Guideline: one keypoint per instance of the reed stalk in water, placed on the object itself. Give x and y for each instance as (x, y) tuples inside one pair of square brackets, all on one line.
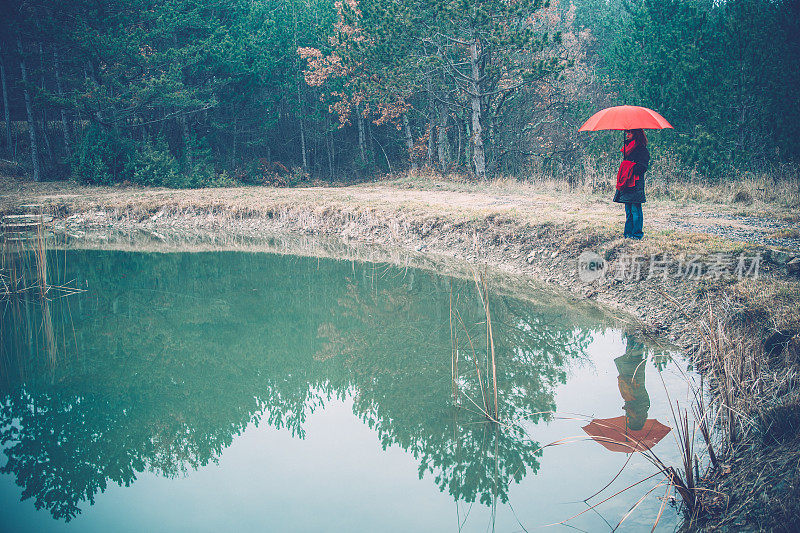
[(24, 247), (489, 397)]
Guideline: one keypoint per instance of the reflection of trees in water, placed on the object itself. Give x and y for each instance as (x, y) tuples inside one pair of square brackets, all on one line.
[(398, 360), (178, 353)]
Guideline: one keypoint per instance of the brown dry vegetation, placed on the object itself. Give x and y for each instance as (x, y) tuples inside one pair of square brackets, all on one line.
[(744, 334)]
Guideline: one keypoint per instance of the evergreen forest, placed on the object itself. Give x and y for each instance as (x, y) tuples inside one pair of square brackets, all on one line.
[(191, 93)]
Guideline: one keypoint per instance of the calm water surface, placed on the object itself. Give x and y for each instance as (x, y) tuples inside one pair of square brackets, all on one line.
[(258, 392)]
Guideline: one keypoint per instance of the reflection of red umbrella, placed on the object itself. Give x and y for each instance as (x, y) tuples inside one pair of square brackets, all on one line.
[(614, 435), (625, 117)]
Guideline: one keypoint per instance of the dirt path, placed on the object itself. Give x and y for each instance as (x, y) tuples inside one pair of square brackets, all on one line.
[(752, 229), (756, 224)]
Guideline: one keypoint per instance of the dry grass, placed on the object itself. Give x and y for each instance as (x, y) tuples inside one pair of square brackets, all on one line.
[(754, 416), (666, 180), (581, 203), (24, 263)]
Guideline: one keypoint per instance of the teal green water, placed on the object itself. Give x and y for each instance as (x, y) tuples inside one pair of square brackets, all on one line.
[(245, 391)]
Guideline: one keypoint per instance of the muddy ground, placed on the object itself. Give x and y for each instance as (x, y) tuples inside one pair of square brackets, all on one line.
[(519, 229)]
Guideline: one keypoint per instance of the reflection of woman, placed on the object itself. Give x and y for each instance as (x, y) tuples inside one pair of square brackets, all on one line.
[(631, 384), (630, 181)]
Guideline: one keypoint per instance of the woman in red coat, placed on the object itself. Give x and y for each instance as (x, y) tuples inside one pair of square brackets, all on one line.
[(630, 181)]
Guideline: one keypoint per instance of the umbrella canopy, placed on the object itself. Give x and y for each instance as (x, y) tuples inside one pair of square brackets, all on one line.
[(625, 117), (614, 434)]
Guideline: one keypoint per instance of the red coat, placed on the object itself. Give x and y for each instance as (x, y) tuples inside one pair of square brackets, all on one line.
[(634, 194), (625, 175)]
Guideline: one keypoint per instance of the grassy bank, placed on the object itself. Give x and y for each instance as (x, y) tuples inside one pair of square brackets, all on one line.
[(743, 332)]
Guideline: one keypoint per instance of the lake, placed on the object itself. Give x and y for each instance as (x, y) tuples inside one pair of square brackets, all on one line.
[(262, 392)]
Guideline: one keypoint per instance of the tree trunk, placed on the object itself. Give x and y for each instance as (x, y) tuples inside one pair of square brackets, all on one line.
[(444, 156), (468, 136), (371, 139), (186, 144), (327, 138), (430, 124), (57, 67), (409, 142), (303, 144), (46, 137), (47, 147), (6, 112), (299, 94), (29, 111), (478, 155), (460, 144), (233, 148), (431, 131), (330, 153), (361, 134)]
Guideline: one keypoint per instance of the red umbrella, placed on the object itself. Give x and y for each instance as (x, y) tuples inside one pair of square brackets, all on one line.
[(614, 434), (625, 117)]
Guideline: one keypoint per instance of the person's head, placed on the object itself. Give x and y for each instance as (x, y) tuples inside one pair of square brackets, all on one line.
[(636, 135)]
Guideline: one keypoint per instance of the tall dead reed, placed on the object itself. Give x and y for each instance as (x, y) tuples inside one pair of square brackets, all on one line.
[(747, 412), (25, 242), (485, 364), (741, 381)]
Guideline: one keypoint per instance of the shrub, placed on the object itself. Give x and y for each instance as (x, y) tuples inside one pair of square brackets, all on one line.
[(223, 179), (99, 157), (266, 172), (703, 150), (154, 165), (200, 175), (198, 169), (742, 196)]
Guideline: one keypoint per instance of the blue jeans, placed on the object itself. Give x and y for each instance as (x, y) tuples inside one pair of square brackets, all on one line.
[(633, 221)]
